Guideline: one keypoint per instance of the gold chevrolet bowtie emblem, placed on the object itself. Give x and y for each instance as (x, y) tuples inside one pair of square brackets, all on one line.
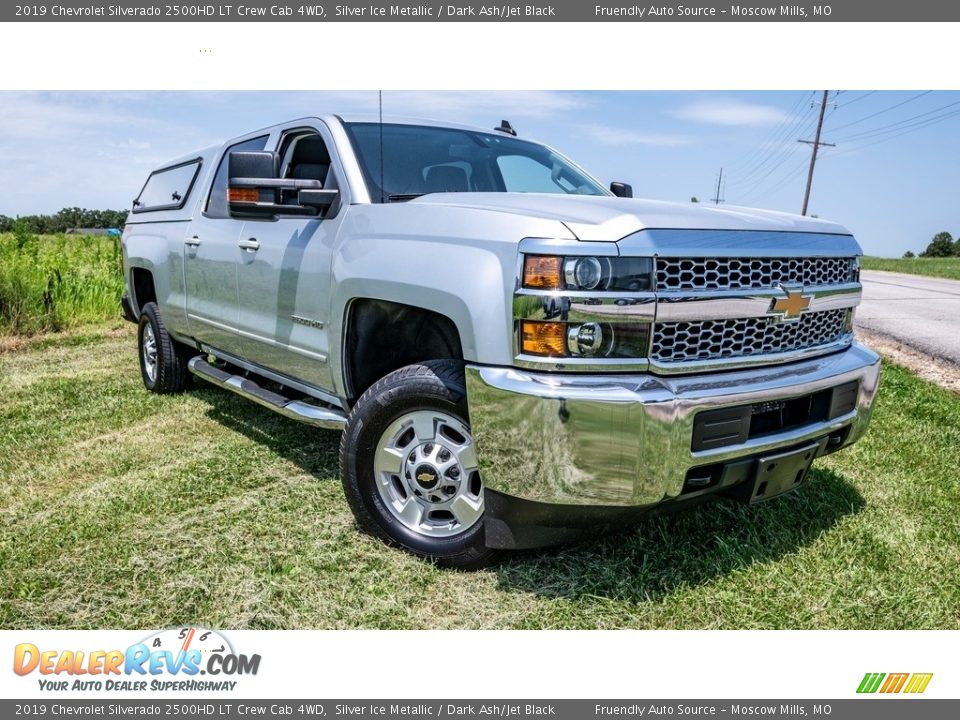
[(425, 477), (791, 306)]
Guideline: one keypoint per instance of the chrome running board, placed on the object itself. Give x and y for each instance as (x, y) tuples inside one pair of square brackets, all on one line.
[(316, 415)]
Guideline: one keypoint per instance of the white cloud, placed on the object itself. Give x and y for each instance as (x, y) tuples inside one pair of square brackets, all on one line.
[(620, 136), (731, 112), (80, 149)]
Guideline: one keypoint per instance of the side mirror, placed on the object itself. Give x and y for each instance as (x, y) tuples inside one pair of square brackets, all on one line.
[(255, 190), (621, 189), (322, 199)]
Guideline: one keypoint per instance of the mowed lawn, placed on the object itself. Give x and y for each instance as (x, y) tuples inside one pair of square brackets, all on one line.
[(124, 509), (933, 267)]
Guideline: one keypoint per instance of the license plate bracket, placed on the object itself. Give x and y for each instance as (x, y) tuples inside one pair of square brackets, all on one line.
[(781, 472)]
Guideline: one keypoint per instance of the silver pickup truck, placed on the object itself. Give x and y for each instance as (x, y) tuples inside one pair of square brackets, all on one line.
[(514, 353)]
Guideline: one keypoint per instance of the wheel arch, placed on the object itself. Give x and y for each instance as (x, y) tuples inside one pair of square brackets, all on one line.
[(143, 288), (380, 336)]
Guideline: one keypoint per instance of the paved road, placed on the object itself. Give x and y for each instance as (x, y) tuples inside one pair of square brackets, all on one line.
[(921, 312)]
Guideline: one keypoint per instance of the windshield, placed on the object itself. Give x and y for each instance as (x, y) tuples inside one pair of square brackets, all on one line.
[(418, 160)]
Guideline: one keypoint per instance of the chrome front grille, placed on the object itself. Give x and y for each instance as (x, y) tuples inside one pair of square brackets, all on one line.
[(751, 273), (721, 339)]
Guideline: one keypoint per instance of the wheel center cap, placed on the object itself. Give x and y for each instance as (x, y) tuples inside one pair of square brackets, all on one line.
[(426, 476)]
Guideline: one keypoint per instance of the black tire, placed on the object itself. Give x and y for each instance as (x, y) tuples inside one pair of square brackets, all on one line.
[(171, 375), (433, 385)]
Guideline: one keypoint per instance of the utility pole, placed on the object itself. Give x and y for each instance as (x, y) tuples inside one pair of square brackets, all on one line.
[(717, 199), (816, 146)]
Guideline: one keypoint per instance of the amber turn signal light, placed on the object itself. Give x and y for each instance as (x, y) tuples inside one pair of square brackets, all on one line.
[(542, 272), (243, 195), (543, 338)]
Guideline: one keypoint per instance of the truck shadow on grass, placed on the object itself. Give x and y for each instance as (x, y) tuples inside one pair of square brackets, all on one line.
[(314, 450), (642, 562), (659, 555)]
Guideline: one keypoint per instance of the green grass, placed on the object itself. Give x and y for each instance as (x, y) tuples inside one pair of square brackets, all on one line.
[(934, 267), (54, 282), (119, 508)]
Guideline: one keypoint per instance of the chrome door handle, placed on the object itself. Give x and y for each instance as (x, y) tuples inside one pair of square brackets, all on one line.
[(192, 242), (251, 244)]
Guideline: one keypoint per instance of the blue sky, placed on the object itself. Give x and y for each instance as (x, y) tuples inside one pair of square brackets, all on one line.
[(892, 179)]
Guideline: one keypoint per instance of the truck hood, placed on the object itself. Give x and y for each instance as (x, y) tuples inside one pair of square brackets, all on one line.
[(609, 219)]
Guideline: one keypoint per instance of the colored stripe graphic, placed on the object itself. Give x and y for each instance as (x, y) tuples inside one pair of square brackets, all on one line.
[(918, 682), (870, 683), (894, 683)]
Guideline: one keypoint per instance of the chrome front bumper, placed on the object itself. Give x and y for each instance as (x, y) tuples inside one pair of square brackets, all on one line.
[(625, 440)]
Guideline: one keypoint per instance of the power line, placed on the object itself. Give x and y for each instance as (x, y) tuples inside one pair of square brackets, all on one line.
[(904, 131), (787, 153), (885, 110), (771, 148), (777, 157), (899, 124), (789, 117), (792, 174), (848, 103)]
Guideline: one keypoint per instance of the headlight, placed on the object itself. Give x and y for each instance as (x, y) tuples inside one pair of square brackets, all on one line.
[(582, 273), (552, 272), (585, 310)]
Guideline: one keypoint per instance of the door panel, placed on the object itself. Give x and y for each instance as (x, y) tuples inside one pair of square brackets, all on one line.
[(283, 283), (210, 255)]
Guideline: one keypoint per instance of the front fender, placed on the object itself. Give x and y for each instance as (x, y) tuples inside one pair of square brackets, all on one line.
[(469, 285)]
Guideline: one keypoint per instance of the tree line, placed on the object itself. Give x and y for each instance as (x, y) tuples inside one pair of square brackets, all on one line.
[(64, 220), (943, 245)]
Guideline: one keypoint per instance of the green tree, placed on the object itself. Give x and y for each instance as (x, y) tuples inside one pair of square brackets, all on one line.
[(694, 199), (65, 219), (909, 254), (942, 245)]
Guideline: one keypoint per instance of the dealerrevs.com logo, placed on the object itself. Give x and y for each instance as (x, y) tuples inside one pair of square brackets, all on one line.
[(179, 659)]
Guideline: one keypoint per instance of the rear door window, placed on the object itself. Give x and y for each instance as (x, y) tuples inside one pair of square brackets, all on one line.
[(167, 189)]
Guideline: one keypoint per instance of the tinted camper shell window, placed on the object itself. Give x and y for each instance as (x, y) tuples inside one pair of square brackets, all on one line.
[(168, 188)]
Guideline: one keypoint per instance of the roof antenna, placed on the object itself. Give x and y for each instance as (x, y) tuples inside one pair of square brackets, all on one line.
[(380, 98), (506, 127)]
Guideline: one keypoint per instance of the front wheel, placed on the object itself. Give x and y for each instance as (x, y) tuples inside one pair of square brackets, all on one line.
[(409, 466)]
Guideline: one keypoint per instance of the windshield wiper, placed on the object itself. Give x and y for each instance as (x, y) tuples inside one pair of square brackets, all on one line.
[(403, 197)]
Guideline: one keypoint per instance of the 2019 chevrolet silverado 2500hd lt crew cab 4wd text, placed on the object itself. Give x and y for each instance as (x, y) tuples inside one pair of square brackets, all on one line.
[(513, 352)]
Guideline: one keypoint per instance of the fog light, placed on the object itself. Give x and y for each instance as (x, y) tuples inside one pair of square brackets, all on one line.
[(584, 339)]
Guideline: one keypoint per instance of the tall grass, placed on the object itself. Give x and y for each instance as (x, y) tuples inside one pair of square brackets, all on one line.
[(52, 282), (934, 267)]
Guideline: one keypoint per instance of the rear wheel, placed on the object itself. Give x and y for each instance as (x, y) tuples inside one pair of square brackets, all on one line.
[(409, 466), (163, 361)]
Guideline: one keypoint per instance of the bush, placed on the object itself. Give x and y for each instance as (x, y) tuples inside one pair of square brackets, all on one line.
[(908, 254), (49, 283)]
